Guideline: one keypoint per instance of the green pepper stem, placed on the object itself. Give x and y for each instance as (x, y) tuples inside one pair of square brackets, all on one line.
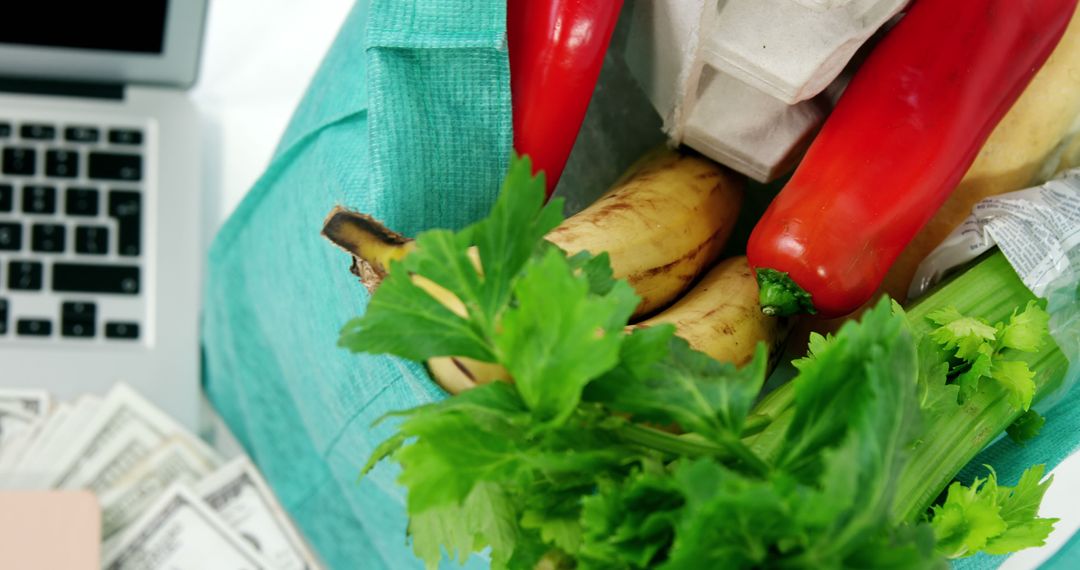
[(780, 296)]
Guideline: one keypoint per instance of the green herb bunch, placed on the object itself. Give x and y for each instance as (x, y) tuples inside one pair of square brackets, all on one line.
[(576, 464)]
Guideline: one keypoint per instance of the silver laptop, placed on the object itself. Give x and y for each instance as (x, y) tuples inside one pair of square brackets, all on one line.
[(99, 198)]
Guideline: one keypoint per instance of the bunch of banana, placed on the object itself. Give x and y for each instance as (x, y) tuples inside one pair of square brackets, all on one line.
[(661, 224)]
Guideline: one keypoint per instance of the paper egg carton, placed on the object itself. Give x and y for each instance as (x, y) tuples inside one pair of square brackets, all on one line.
[(748, 82)]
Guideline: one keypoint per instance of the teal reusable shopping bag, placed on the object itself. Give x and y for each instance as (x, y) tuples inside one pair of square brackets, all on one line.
[(408, 119)]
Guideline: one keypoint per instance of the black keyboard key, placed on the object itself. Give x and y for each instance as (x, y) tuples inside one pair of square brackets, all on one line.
[(5, 130), (62, 163), (81, 202), (38, 131), (3, 316), (78, 319), (86, 278), (19, 161), (34, 327), (92, 240), (126, 207), (114, 166), (125, 136), (24, 275), (39, 199), (10, 236), (128, 331), (47, 238), (6, 197), (82, 134)]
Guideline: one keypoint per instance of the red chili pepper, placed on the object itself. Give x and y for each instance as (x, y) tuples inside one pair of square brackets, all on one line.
[(556, 50), (898, 142)]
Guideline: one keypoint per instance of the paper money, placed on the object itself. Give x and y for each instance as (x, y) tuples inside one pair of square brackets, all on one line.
[(114, 460), (180, 532), (122, 413), (13, 420), (35, 402), (175, 461), (12, 453), (36, 466), (238, 493), (144, 467)]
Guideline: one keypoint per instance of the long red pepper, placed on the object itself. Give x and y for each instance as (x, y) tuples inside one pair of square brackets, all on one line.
[(556, 50), (899, 140)]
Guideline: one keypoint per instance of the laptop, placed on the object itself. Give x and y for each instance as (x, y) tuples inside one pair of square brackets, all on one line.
[(100, 183)]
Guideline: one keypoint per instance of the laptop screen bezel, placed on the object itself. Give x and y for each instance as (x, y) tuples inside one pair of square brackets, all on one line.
[(177, 65)]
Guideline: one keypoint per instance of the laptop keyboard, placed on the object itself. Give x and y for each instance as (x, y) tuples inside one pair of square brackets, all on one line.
[(71, 231)]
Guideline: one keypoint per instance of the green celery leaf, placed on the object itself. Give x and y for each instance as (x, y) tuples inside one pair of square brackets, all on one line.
[(1026, 331), (1018, 537), (990, 518), (398, 310), (487, 517), (473, 437), (558, 336), (512, 232), (641, 350), (562, 532), (1026, 427), (937, 397), (731, 521), (1018, 381), (817, 344), (690, 389), (532, 553), (734, 521), (907, 547), (869, 368), (980, 367), (630, 523), (505, 241), (967, 519), (966, 335), (385, 449), (860, 475), (980, 352), (1020, 510), (596, 268)]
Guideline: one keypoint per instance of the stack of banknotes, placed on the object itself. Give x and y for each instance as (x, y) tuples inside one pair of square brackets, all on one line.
[(168, 500)]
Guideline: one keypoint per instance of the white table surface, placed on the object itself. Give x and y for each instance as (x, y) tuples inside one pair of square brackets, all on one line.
[(257, 61)]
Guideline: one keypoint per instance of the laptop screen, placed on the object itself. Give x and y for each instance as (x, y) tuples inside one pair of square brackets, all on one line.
[(135, 27)]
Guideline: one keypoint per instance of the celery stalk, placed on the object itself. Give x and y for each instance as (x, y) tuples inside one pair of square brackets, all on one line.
[(990, 290)]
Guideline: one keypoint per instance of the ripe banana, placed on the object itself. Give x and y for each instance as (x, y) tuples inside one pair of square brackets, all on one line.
[(664, 221), (721, 316), (661, 226)]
